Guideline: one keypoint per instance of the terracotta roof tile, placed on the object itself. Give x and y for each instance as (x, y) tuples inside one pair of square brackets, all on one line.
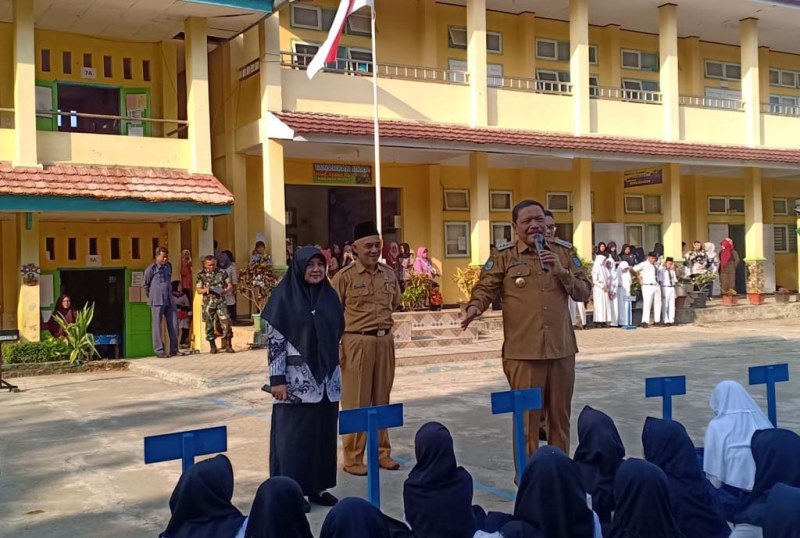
[(112, 183), (316, 123)]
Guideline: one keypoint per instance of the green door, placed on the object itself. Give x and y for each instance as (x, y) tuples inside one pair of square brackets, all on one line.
[(46, 103), (135, 103), (138, 338), (50, 306)]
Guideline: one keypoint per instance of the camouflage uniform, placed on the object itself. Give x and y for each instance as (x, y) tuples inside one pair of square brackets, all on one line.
[(214, 305)]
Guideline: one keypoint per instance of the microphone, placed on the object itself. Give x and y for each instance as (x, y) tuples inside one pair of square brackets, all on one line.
[(538, 241)]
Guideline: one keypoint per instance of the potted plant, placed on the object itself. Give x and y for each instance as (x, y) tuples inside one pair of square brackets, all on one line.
[(782, 295), (701, 281), (79, 341), (682, 289), (466, 279), (416, 293), (755, 282), (256, 282), (730, 297)]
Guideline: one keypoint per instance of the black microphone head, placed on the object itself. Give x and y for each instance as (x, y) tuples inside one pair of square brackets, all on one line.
[(538, 240)]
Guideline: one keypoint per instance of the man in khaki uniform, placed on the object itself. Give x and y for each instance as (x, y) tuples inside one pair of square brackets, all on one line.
[(539, 343), (369, 292)]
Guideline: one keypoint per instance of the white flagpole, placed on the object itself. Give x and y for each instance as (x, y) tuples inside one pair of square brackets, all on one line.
[(377, 143)]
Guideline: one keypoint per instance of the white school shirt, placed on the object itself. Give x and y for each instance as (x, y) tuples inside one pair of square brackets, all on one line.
[(668, 277), (648, 271)]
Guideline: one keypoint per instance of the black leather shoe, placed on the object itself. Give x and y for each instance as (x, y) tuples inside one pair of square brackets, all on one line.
[(323, 499)]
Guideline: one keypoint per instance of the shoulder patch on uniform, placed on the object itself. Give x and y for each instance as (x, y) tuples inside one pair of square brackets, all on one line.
[(488, 265), (505, 246), (561, 242), (576, 261)]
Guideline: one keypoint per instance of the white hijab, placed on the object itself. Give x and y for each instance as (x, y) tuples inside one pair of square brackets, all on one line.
[(599, 270), (728, 458), (624, 275)]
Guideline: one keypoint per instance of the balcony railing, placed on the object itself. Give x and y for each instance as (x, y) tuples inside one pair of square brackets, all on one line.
[(531, 85), (354, 67), (110, 124), (701, 101), (780, 110), (621, 94)]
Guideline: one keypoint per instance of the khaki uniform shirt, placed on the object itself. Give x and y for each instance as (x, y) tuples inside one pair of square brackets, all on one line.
[(536, 321), (368, 298)]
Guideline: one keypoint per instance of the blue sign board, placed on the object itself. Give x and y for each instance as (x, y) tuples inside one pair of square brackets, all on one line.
[(518, 402), (769, 375), (666, 388), (185, 446)]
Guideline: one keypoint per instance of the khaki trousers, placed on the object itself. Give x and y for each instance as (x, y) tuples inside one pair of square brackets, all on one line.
[(367, 378), (556, 378)]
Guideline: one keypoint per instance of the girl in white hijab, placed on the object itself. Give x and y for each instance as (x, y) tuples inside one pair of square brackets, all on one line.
[(623, 289), (600, 298), (727, 457), (613, 284)]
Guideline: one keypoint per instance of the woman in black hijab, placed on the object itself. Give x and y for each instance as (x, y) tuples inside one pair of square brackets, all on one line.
[(354, 518), (437, 495), (599, 454), (306, 322), (201, 503), (694, 502), (612, 251), (552, 498), (783, 516), (628, 255), (643, 508), (278, 510)]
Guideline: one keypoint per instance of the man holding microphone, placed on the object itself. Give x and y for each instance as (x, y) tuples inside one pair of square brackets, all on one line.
[(536, 278)]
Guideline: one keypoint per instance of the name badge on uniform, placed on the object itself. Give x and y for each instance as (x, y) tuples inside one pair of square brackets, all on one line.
[(576, 261), (488, 265), (519, 282), (360, 285), (514, 263)]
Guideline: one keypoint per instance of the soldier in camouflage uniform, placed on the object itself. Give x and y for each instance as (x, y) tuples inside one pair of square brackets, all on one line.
[(212, 283)]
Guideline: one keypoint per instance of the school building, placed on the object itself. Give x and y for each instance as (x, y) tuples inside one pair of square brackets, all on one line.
[(633, 120), (105, 152)]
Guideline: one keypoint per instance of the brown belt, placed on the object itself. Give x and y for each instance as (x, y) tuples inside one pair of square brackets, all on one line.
[(376, 332)]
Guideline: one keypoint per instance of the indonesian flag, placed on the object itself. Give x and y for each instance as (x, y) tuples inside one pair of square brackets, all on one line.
[(327, 52)]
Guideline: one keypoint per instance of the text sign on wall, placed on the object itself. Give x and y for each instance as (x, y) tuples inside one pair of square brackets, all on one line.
[(645, 176), (88, 72), (342, 174)]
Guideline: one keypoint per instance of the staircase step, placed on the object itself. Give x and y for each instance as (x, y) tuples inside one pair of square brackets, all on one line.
[(453, 332), (436, 341)]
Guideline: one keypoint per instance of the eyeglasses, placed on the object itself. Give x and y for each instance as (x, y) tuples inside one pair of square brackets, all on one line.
[(551, 227)]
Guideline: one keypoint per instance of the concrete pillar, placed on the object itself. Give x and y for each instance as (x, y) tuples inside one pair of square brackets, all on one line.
[(481, 235), (10, 273), (436, 222), (429, 50), (753, 214), (579, 65), (24, 60), (202, 246), (28, 305), (174, 246), (169, 91), (610, 68), (476, 63), (668, 79), (582, 206), (751, 94), (274, 201), (673, 230), (526, 26), (269, 44), (197, 103)]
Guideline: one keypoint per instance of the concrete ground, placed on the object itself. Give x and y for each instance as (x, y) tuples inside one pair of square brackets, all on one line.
[(71, 450)]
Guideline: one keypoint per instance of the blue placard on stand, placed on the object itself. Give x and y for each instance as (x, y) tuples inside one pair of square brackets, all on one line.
[(630, 300), (518, 402), (666, 388), (370, 420), (185, 446), (769, 375)]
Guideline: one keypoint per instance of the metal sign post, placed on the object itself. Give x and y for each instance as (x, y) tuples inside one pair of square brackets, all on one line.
[(370, 420), (518, 402), (5, 337), (185, 446), (665, 387), (629, 301), (769, 375)]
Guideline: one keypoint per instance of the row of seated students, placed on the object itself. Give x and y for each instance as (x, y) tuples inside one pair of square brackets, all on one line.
[(744, 483)]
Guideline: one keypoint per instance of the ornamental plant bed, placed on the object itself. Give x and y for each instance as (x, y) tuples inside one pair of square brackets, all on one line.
[(61, 367), (730, 298), (756, 298)]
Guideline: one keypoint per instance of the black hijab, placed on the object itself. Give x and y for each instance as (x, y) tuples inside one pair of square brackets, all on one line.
[(643, 509), (777, 456), (599, 454), (201, 503), (278, 510), (520, 529), (611, 250), (783, 516), (309, 317), (437, 495), (552, 498), (354, 518), (639, 255), (694, 503)]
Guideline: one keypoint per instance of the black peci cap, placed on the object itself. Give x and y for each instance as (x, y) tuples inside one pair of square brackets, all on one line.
[(365, 229)]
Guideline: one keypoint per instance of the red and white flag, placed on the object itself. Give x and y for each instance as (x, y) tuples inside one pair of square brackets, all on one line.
[(328, 51)]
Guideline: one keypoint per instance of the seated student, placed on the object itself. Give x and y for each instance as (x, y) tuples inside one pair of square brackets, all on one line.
[(201, 503), (727, 458), (777, 456), (353, 517), (692, 497), (437, 495), (278, 510), (599, 454), (783, 516), (643, 508)]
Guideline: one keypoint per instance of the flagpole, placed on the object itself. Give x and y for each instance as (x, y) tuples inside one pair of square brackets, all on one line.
[(377, 143)]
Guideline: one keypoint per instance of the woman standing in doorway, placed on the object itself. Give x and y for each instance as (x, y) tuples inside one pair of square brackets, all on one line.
[(306, 322), (65, 311), (423, 264), (405, 263), (728, 262), (228, 264)]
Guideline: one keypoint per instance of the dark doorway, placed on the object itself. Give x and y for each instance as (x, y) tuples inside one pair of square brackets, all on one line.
[(104, 288), (88, 100), (737, 233), (347, 206)]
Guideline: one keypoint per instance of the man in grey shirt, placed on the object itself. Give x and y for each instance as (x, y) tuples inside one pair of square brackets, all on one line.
[(158, 287)]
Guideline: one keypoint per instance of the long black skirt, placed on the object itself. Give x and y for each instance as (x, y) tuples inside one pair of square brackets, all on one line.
[(302, 444)]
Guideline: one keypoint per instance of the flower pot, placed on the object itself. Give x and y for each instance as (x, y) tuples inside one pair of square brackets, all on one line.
[(781, 297), (680, 302), (259, 324), (730, 300), (699, 299), (755, 298)]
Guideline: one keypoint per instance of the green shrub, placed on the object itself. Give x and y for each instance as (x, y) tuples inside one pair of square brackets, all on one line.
[(31, 352)]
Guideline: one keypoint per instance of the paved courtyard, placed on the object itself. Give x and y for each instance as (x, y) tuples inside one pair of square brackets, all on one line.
[(71, 445)]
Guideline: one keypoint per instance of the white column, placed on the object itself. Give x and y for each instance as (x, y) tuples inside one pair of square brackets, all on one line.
[(480, 238), (24, 84), (579, 65), (476, 63), (751, 94), (668, 52), (197, 102)]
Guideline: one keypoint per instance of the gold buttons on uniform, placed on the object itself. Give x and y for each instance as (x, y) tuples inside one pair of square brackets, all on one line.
[(519, 282)]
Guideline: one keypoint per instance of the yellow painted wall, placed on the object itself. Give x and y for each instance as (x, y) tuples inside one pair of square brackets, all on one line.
[(55, 147), (7, 144), (724, 53), (785, 263), (704, 125), (621, 118), (641, 42), (218, 93), (6, 69), (512, 109)]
